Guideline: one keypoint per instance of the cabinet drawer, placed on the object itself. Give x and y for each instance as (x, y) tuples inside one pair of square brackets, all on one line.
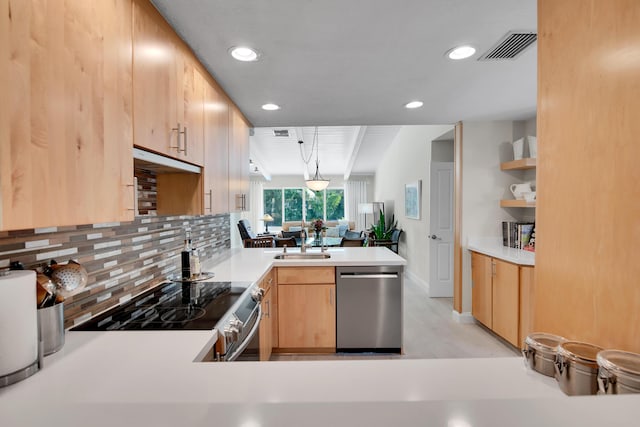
[(268, 280), (306, 275)]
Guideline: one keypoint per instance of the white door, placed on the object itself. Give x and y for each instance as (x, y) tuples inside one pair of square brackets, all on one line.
[(441, 230)]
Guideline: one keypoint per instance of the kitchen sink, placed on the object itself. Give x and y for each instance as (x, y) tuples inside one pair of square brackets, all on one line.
[(303, 256)]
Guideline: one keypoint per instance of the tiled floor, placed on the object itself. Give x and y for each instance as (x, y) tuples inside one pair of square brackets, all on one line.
[(430, 333)]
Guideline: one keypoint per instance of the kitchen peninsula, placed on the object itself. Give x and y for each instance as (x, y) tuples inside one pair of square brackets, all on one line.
[(151, 378)]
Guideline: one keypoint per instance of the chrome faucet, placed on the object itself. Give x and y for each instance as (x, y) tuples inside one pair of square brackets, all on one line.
[(303, 241)]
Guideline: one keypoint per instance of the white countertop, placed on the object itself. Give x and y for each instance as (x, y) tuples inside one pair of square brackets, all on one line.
[(149, 378), (494, 247)]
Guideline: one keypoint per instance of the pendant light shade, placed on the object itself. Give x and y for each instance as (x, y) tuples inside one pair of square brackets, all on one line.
[(317, 183)]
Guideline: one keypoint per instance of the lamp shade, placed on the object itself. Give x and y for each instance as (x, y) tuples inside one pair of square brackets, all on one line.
[(266, 218), (365, 208), (317, 184)]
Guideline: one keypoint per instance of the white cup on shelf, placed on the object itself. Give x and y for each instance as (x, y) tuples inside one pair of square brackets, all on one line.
[(529, 196)]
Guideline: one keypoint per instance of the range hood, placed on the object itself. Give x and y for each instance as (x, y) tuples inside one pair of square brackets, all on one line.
[(161, 164)]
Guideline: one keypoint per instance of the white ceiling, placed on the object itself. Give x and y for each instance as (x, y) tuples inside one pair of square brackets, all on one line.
[(343, 63)]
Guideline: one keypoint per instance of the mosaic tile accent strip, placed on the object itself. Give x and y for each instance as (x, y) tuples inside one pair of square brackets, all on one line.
[(122, 259)]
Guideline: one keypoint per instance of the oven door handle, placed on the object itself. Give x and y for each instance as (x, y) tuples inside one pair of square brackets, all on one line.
[(248, 338)]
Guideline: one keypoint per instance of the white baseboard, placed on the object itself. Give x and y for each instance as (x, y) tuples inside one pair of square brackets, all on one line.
[(465, 317), (411, 276)]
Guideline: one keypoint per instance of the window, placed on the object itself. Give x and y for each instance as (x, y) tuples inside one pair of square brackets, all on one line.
[(273, 206), (314, 204), (289, 204), (334, 205), (293, 204)]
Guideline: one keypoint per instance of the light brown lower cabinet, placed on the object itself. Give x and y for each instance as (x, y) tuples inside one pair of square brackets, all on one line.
[(268, 321), (501, 295), (266, 326), (306, 309)]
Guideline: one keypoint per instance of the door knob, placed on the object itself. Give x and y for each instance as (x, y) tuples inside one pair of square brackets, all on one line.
[(434, 237)]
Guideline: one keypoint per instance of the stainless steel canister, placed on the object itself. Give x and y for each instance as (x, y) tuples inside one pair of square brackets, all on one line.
[(619, 372), (51, 324), (540, 352), (576, 368)]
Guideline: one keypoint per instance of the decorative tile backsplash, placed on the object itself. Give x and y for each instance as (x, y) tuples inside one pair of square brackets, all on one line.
[(122, 259)]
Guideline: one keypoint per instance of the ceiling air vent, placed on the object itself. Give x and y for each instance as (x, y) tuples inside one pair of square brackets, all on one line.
[(281, 132), (510, 46)]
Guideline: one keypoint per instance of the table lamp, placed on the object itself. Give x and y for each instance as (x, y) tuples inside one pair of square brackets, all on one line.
[(267, 219)]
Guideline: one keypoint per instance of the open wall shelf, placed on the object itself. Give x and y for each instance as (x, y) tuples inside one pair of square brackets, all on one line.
[(528, 163), (513, 203)]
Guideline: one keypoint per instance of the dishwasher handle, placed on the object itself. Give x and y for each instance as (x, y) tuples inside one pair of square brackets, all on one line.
[(368, 275)]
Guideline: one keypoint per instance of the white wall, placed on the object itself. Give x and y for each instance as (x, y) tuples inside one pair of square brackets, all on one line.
[(407, 160), (485, 145)]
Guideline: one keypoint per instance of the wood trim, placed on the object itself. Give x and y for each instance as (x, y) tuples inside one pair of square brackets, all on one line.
[(457, 220)]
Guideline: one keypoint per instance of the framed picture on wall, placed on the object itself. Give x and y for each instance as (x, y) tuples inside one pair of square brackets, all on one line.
[(412, 199)]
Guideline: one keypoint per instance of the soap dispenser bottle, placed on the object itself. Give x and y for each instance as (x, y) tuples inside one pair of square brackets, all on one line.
[(185, 255)]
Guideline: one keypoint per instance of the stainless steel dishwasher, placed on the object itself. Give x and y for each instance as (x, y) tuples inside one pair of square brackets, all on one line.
[(369, 309)]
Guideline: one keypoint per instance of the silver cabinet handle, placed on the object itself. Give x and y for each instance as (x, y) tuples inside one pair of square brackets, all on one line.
[(184, 134), (185, 140), (369, 276)]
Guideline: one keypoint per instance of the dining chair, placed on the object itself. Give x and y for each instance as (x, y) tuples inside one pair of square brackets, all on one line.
[(259, 242)]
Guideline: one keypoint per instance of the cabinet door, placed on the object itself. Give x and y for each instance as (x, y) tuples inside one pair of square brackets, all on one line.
[(238, 162), (192, 115), (216, 151), (306, 316), (506, 300), (481, 276), (156, 89), (65, 122), (266, 327), (526, 299)]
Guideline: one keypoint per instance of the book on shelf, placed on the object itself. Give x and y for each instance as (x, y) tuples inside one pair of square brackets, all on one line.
[(519, 235)]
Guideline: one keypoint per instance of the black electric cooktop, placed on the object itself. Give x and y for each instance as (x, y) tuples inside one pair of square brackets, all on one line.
[(190, 306)]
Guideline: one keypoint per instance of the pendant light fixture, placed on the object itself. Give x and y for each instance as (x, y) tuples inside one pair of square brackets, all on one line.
[(317, 183)]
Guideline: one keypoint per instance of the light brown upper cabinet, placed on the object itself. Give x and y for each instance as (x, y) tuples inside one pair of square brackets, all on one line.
[(66, 119), (216, 150), (238, 161), (168, 90)]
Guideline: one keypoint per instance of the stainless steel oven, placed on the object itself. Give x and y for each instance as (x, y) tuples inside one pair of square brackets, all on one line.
[(239, 330)]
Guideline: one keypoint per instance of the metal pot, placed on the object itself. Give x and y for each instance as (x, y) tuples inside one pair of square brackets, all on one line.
[(576, 368), (540, 352), (619, 372)]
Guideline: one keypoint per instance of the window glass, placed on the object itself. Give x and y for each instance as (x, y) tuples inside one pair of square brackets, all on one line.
[(273, 205), (314, 201), (335, 204), (293, 204)]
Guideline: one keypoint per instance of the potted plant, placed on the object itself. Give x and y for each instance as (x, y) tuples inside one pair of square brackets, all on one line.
[(382, 230)]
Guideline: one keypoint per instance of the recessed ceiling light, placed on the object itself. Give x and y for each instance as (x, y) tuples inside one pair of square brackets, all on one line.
[(243, 53), (414, 104), (270, 107), (461, 52)]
